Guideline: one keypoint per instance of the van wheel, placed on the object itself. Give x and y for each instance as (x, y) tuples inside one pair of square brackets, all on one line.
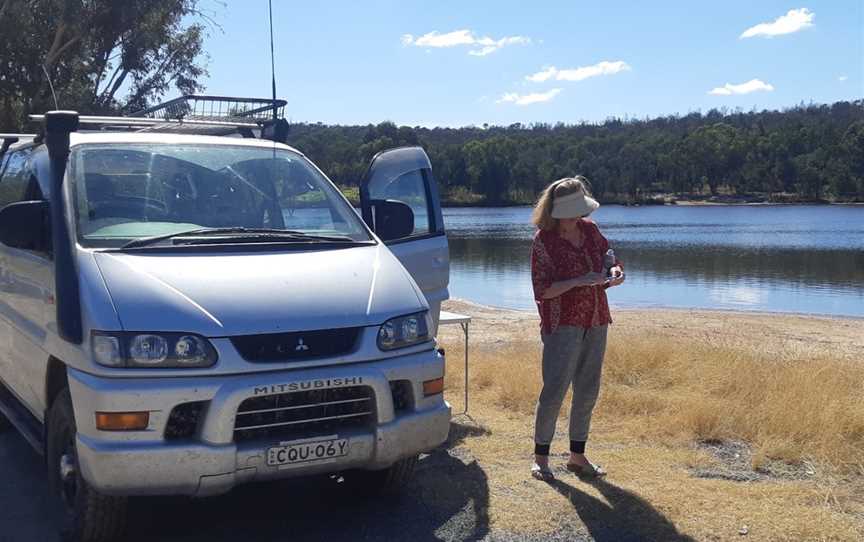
[(87, 515), (393, 479)]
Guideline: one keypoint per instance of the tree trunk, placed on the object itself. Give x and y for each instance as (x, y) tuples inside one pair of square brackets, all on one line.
[(58, 46)]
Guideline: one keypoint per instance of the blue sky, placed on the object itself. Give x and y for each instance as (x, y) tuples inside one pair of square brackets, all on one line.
[(456, 63)]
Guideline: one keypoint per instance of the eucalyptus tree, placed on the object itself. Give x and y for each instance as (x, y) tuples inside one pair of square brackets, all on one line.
[(103, 56)]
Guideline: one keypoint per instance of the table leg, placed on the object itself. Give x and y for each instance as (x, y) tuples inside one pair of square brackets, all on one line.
[(465, 332)]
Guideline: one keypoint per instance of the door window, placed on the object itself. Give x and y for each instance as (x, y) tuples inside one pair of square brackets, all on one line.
[(410, 189), (16, 177)]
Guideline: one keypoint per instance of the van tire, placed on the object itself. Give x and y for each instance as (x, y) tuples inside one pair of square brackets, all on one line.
[(393, 479), (88, 516)]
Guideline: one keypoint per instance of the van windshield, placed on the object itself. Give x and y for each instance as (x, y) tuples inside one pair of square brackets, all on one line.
[(125, 192)]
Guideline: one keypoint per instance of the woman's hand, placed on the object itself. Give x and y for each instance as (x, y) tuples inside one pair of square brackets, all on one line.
[(592, 279), (562, 286), (616, 276)]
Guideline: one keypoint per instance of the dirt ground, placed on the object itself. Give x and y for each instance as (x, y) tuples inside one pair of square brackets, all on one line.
[(656, 489)]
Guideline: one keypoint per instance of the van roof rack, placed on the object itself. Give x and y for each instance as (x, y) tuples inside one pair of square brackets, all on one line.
[(199, 114)]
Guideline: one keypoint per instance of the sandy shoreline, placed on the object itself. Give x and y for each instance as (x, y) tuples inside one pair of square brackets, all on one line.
[(777, 332)]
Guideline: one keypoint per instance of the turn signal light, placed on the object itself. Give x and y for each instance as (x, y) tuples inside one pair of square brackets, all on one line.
[(122, 421), (433, 387)]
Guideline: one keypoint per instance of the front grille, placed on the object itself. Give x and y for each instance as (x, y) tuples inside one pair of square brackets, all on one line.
[(296, 346), (305, 413)]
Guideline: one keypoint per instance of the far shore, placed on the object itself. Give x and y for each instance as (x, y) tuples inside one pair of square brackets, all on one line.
[(660, 203), (477, 200)]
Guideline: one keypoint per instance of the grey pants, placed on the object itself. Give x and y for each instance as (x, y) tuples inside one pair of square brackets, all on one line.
[(571, 355)]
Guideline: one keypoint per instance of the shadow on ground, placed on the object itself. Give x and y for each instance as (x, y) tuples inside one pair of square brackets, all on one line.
[(625, 517), (447, 500), (26, 510)]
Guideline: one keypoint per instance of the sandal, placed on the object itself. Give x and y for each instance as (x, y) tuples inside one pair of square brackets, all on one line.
[(543, 474), (586, 471)]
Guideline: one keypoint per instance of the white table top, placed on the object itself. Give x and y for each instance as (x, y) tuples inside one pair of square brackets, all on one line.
[(453, 318)]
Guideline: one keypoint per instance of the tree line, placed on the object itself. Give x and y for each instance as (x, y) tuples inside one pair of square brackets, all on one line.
[(804, 153)]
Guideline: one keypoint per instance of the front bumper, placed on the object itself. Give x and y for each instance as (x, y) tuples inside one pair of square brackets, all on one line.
[(145, 463)]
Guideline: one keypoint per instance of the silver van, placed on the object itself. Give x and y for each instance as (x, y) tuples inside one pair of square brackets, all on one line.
[(183, 313)]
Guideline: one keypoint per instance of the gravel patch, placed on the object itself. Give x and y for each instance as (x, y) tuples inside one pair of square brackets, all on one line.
[(448, 500), (735, 463)]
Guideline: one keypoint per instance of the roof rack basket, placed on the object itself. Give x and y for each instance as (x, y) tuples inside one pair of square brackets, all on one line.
[(218, 108), (202, 115)]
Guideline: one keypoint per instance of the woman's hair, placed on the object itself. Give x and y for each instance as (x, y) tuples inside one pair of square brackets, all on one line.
[(542, 215)]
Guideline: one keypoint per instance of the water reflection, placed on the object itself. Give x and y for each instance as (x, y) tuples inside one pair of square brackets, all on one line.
[(798, 259)]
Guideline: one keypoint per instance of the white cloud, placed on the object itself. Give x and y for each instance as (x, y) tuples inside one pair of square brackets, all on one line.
[(793, 21), (482, 46), (528, 99), (753, 85), (843, 78), (578, 74), (544, 75)]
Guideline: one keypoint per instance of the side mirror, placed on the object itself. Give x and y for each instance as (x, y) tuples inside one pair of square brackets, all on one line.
[(393, 219), (26, 225)]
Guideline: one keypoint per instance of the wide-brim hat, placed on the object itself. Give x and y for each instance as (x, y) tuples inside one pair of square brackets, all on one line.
[(574, 205)]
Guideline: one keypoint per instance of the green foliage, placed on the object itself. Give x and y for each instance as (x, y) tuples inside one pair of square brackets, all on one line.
[(95, 52), (804, 153)]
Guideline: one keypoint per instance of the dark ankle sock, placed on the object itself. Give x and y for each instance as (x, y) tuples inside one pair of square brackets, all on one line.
[(577, 446), (541, 449)]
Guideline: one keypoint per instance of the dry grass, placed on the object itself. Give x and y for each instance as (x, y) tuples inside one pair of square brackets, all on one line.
[(798, 410), (788, 408)]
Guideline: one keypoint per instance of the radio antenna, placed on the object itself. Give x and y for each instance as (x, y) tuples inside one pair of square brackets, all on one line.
[(272, 60), (51, 86)]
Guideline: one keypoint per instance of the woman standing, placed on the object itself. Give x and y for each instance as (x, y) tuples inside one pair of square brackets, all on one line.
[(570, 279)]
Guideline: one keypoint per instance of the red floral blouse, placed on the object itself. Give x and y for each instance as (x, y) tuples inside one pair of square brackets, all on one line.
[(553, 258)]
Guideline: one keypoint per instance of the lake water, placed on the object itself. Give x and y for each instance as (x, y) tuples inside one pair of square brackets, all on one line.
[(807, 258)]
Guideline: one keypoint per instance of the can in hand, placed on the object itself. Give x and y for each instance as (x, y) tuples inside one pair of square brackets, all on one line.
[(609, 261)]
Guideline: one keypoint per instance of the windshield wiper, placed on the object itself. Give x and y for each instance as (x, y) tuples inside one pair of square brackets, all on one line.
[(245, 234), (268, 237)]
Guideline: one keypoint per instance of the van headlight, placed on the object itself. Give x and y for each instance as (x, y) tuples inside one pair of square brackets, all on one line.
[(404, 331), (123, 349)]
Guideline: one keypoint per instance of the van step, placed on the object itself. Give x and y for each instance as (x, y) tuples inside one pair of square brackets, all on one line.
[(22, 419)]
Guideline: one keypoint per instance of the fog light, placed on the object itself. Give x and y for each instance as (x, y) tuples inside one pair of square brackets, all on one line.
[(433, 387), (122, 421)]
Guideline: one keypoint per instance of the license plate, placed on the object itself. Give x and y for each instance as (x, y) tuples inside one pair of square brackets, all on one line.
[(306, 451)]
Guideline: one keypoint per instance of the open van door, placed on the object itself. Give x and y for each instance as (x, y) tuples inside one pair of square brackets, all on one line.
[(400, 202)]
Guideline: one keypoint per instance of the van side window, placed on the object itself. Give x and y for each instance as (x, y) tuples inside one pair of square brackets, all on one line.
[(16, 178), (409, 188), (4, 159)]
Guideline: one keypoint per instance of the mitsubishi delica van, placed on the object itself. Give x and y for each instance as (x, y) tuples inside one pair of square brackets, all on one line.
[(183, 313)]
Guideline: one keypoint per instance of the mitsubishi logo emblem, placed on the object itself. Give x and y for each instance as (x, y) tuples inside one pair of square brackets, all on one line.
[(300, 346)]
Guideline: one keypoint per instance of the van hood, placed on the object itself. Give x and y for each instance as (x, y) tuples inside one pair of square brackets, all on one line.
[(225, 294)]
